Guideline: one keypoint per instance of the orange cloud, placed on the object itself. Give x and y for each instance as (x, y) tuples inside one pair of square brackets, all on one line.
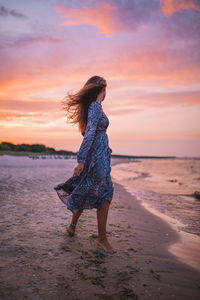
[(154, 67), (145, 69), (30, 117), (171, 6), (100, 16)]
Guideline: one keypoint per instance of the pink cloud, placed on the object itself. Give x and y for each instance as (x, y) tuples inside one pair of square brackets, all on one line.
[(171, 6), (102, 16)]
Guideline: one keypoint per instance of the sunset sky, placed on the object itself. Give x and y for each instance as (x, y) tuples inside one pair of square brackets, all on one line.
[(147, 50)]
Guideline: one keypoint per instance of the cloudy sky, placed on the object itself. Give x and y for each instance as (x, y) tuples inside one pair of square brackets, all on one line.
[(147, 50)]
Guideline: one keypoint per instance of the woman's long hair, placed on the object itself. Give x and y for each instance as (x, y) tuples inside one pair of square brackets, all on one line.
[(76, 105)]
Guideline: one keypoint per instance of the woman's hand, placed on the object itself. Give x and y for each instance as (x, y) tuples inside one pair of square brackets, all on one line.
[(110, 150), (79, 168)]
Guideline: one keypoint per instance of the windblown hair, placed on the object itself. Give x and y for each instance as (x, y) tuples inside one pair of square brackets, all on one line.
[(76, 105)]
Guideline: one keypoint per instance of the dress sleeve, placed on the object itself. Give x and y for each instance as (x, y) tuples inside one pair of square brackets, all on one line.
[(94, 113)]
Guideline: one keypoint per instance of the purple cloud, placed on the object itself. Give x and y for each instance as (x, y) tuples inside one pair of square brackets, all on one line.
[(4, 12), (26, 40)]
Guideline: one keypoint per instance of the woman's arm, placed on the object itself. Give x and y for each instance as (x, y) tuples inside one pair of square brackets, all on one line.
[(94, 113)]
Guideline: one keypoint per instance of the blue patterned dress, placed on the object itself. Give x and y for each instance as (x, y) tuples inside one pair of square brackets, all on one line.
[(94, 184)]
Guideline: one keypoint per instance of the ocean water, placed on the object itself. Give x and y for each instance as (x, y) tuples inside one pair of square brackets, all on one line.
[(32, 179), (166, 185)]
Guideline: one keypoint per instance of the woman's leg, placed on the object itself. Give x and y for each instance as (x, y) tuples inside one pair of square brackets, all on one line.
[(75, 217), (102, 214)]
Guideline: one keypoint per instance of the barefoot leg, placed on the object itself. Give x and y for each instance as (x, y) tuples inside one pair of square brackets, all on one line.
[(102, 214), (75, 217)]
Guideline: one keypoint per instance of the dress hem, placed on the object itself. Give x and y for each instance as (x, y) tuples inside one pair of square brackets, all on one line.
[(64, 197)]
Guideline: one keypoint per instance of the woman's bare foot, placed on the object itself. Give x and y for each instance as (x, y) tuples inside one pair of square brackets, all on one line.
[(103, 243), (71, 229)]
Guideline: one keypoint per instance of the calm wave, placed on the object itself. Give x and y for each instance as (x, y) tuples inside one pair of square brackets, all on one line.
[(167, 185)]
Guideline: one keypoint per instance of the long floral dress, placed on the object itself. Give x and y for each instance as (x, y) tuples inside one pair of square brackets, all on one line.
[(94, 184)]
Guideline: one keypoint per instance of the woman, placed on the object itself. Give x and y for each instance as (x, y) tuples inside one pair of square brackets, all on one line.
[(91, 185)]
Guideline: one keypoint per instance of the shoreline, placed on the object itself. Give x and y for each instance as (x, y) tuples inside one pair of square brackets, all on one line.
[(186, 249), (150, 240)]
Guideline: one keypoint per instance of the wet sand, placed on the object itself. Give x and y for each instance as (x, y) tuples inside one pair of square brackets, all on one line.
[(40, 261)]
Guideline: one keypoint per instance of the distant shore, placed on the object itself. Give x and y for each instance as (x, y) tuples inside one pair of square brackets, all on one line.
[(39, 154)]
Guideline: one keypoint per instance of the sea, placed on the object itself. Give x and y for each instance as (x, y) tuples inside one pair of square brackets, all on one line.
[(170, 186)]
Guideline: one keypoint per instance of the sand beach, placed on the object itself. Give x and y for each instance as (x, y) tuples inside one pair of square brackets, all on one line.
[(40, 261)]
